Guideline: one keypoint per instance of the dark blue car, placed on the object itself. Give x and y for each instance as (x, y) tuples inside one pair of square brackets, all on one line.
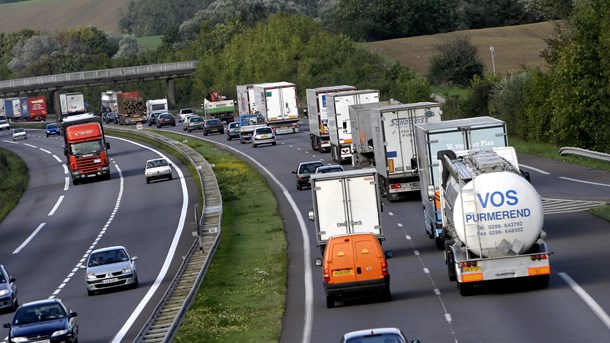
[(52, 129), (43, 321)]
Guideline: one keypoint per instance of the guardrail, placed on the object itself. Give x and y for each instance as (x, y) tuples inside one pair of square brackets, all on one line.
[(169, 313), (584, 153)]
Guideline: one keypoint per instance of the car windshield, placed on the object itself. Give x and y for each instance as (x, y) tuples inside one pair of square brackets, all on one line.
[(156, 163), (107, 257), (309, 168), (234, 125), (196, 120), (329, 169), (264, 131), (385, 338), (165, 116), (34, 314), (85, 148), (52, 126), (18, 130), (213, 122)]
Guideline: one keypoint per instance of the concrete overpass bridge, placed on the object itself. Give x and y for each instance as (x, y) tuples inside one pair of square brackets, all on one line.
[(55, 83)]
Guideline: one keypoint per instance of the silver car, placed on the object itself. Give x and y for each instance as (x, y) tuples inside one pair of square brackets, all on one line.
[(8, 291), (109, 268)]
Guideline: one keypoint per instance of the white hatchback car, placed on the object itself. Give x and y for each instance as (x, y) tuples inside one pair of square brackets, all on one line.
[(4, 125), (19, 133), (158, 168), (263, 135)]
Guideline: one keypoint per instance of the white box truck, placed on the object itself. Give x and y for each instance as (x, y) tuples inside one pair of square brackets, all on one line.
[(317, 115), (391, 138), (72, 104), (277, 102), (345, 202), (339, 124), (492, 220), (245, 99), (458, 134)]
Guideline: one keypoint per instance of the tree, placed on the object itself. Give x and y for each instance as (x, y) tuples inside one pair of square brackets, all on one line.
[(457, 62), (506, 100), (129, 46)]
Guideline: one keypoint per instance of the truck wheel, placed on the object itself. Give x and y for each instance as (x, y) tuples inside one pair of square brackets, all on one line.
[(392, 197), (440, 243), (312, 140), (450, 262), (330, 301), (540, 282), (466, 289)]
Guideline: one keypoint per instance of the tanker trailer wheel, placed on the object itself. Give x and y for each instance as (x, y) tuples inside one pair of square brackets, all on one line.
[(450, 261), (466, 289), (540, 281)]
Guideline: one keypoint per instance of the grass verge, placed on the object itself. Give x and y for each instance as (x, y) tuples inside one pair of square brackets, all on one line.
[(14, 181)]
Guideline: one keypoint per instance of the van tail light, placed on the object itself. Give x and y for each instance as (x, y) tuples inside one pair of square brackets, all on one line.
[(384, 269), (326, 275)]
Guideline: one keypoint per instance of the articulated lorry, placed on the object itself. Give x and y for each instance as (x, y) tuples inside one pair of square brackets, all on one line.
[(12, 109), (34, 108), (218, 106), (339, 123), (386, 141), (277, 102), (72, 104), (345, 202), (492, 220), (85, 147), (131, 108), (458, 134), (109, 102), (317, 115)]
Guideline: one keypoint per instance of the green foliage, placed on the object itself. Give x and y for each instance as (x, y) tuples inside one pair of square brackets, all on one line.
[(506, 100), (457, 62), (13, 182)]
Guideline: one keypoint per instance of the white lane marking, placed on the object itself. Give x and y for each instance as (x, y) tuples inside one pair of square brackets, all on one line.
[(12, 142), (66, 183), (599, 312), (535, 169), (307, 277), (583, 181), (57, 158), (30, 145), (61, 198), (45, 150), (66, 171), (170, 254), (29, 239)]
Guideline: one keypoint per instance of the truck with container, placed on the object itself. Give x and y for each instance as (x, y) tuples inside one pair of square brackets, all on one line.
[(156, 105), (458, 134), (345, 202), (492, 220), (72, 103), (277, 102), (12, 109), (247, 124), (218, 106), (245, 99), (317, 115), (36, 108), (85, 147), (131, 108), (109, 102), (339, 124), (386, 141)]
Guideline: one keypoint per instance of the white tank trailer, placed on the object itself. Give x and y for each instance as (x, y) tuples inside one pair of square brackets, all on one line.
[(492, 219)]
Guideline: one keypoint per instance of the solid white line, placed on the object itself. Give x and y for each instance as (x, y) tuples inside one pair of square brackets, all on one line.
[(535, 169), (307, 277), (587, 182), (28, 239), (599, 312), (61, 198)]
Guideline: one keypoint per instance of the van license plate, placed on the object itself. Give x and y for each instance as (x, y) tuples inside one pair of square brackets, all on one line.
[(343, 272)]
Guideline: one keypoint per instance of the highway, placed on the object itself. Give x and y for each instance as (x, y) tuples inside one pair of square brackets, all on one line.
[(425, 305)]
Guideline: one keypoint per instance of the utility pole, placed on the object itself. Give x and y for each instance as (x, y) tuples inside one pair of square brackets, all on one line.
[(493, 58)]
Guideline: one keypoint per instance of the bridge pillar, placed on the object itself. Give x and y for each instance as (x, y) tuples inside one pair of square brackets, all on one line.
[(57, 104), (171, 92)]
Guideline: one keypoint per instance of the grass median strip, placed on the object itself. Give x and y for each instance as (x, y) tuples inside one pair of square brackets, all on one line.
[(14, 181)]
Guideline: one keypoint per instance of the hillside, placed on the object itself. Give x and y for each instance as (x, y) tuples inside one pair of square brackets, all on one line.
[(57, 15), (515, 47)]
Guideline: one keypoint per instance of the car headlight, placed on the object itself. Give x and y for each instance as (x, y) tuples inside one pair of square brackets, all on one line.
[(3, 292), (19, 339), (127, 270), (59, 333), (90, 276)]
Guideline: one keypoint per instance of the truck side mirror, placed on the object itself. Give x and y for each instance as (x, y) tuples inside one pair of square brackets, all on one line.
[(107, 145), (311, 215)]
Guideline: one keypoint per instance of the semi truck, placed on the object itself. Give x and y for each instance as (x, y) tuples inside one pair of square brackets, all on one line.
[(131, 108), (218, 106), (156, 105), (109, 102), (458, 134), (345, 202), (317, 115), (34, 108), (492, 220), (12, 108), (85, 147), (339, 124), (385, 140), (245, 99), (277, 102), (72, 104)]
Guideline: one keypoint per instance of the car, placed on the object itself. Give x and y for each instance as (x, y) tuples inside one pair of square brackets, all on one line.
[(232, 130), (165, 119), (111, 117), (304, 171), (376, 335), (52, 129), (185, 112), (152, 118), (333, 168), (48, 321), (8, 291), (19, 133), (213, 125), (110, 268), (192, 123), (4, 125), (158, 168), (263, 135)]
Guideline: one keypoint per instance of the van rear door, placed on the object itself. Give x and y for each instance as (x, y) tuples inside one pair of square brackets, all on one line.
[(340, 261), (368, 258)]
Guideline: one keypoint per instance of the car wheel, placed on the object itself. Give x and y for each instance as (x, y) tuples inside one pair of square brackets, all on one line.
[(15, 304), (135, 283), (253, 145), (90, 292), (171, 177), (147, 180), (330, 301), (228, 138), (273, 143), (387, 295), (47, 136), (158, 126), (174, 124), (299, 187)]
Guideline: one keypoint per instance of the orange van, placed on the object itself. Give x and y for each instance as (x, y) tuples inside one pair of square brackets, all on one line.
[(354, 265)]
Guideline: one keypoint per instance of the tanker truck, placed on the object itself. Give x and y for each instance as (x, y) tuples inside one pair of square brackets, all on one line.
[(492, 220)]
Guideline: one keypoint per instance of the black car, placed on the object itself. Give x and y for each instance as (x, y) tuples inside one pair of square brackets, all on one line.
[(152, 118), (166, 119), (213, 125), (111, 117), (46, 320), (304, 171)]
